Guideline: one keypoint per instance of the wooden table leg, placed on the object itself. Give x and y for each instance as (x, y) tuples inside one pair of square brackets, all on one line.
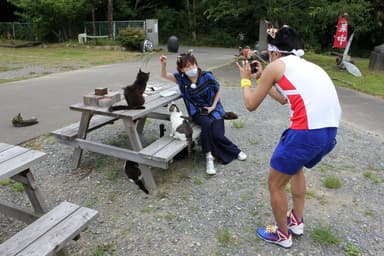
[(37, 200), (35, 197), (84, 123), (140, 125), (135, 141)]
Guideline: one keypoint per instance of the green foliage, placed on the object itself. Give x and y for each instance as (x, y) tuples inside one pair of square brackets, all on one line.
[(351, 250), (5, 182), (238, 123), (216, 22), (332, 182), (226, 237), (54, 20), (18, 187), (130, 38), (104, 250), (325, 235)]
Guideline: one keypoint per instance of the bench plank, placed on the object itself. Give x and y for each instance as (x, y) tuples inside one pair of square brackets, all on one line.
[(4, 146), (55, 239), (165, 148), (23, 238), (54, 229), (19, 163), (70, 132), (12, 152)]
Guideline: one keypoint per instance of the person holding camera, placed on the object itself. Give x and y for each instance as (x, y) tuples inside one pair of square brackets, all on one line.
[(201, 94), (315, 118)]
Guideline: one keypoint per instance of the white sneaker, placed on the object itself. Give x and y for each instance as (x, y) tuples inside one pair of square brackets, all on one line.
[(241, 156), (210, 166)]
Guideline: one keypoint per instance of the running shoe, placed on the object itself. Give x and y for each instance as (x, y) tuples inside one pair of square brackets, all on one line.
[(295, 225), (272, 234)]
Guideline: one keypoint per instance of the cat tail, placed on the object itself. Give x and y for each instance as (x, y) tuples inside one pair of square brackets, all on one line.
[(190, 145), (141, 185), (123, 107)]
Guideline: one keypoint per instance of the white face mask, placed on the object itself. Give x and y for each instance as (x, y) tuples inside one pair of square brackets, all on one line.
[(192, 72)]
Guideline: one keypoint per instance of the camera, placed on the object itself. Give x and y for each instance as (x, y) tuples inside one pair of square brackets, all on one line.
[(254, 67)]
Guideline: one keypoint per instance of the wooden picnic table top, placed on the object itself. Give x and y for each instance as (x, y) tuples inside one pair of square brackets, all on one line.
[(15, 159), (161, 96)]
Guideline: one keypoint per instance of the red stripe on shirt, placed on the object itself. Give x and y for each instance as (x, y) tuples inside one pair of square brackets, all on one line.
[(299, 118)]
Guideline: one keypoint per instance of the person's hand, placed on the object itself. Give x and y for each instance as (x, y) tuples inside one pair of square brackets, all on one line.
[(163, 59), (259, 69), (210, 109), (245, 69)]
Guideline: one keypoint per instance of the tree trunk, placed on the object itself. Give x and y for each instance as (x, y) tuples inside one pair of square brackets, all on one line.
[(110, 18), (194, 22), (93, 21)]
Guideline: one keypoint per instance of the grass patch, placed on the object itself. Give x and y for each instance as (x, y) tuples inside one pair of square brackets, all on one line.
[(104, 250), (225, 237), (370, 83), (111, 175), (18, 187), (238, 123), (371, 176), (325, 235), (61, 56), (351, 250), (149, 209), (332, 182), (5, 182)]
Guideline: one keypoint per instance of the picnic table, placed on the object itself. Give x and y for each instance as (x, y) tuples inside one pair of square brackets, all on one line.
[(47, 231), (158, 154), (16, 163)]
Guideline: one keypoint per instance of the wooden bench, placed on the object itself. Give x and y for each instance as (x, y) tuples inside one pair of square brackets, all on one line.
[(70, 132), (165, 148), (49, 233)]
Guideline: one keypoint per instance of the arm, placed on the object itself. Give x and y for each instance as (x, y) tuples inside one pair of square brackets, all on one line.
[(164, 73), (272, 73), (215, 100), (277, 96)]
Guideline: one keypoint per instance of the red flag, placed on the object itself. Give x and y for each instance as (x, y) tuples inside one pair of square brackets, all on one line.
[(341, 35)]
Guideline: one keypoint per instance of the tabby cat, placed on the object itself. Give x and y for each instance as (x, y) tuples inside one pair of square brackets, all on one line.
[(133, 93)]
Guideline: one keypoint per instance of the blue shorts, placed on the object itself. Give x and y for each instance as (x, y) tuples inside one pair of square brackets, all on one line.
[(298, 148)]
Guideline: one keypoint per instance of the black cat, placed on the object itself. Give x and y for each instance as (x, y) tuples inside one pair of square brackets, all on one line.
[(133, 93), (134, 175)]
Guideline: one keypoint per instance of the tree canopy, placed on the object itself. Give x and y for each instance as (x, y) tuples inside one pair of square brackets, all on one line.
[(213, 22)]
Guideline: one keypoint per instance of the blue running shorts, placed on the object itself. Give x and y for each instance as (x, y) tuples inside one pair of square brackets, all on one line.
[(298, 148)]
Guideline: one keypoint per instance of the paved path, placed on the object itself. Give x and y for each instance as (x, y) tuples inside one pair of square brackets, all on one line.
[(48, 98)]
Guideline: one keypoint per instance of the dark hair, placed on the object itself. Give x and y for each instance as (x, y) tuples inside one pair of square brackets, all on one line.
[(286, 39), (183, 59)]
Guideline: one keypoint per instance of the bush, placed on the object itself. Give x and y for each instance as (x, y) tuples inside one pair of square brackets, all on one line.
[(130, 38)]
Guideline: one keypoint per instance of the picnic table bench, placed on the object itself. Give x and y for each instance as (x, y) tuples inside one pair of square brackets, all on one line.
[(49, 233), (158, 154)]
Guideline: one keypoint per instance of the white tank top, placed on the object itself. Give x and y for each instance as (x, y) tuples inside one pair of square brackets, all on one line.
[(311, 94)]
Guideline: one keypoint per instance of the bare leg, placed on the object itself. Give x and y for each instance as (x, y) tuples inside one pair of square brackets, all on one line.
[(298, 192), (276, 183)]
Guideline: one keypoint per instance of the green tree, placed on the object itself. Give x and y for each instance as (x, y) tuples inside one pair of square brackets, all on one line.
[(54, 19)]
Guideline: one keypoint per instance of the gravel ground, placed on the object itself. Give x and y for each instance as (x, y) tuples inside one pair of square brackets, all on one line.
[(195, 214)]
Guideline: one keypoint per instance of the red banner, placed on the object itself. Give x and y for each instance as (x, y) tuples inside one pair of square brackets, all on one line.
[(341, 36)]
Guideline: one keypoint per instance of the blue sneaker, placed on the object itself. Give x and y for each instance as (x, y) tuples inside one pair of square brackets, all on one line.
[(295, 225), (272, 234)]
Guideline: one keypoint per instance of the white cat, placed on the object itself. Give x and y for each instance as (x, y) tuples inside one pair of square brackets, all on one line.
[(180, 126)]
